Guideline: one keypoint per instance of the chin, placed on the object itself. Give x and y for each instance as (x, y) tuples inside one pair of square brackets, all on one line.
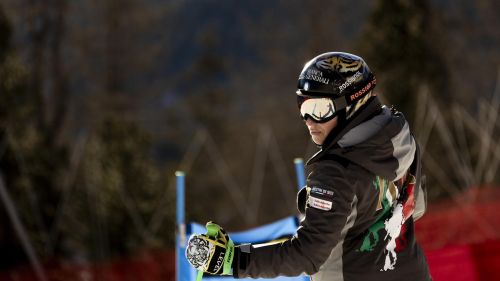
[(317, 141)]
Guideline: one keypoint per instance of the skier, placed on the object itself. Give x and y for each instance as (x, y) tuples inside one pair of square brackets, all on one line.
[(362, 195)]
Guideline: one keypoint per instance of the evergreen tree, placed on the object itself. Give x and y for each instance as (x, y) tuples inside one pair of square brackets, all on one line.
[(400, 45), (9, 87)]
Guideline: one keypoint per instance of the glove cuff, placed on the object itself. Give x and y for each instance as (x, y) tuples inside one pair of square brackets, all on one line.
[(241, 258)]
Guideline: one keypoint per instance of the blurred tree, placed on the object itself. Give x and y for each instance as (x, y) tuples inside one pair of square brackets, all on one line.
[(207, 106), (399, 43), (114, 53), (35, 104), (117, 177), (5, 33), (12, 93), (33, 155), (208, 100), (118, 185)]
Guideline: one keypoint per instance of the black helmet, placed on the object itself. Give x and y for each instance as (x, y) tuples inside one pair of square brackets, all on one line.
[(342, 77)]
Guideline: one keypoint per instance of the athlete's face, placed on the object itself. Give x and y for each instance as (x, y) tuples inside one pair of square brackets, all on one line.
[(319, 131)]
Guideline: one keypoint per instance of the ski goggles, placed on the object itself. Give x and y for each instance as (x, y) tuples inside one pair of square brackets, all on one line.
[(320, 110)]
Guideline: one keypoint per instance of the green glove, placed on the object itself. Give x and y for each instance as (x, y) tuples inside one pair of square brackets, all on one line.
[(212, 252)]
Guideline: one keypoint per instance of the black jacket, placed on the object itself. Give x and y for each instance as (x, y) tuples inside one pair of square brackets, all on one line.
[(359, 208)]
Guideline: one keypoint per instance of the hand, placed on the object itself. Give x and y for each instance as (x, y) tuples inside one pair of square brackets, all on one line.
[(212, 252)]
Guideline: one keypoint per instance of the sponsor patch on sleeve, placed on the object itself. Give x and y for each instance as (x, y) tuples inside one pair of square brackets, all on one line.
[(320, 204), (321, 192)]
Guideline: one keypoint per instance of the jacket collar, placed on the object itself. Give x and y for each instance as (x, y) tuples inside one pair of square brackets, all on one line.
[(372, 108)]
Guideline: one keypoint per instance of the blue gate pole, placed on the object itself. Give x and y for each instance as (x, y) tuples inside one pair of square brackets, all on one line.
[(299, 170), (180, 217)]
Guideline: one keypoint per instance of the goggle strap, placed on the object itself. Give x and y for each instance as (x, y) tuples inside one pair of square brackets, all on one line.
[(340, 103)]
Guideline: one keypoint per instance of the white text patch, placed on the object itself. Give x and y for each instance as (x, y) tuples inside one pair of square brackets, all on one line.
[(321, 204)]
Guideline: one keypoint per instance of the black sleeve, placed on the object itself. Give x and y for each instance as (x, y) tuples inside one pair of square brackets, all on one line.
[(329, 205)]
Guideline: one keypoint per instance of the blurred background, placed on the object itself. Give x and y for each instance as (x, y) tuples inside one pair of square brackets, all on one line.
[(101, 101)]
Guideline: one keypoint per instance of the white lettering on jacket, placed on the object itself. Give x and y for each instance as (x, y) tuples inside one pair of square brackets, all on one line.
[(320, 204)]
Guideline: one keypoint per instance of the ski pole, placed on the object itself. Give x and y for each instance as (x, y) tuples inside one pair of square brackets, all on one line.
[(199, 276)]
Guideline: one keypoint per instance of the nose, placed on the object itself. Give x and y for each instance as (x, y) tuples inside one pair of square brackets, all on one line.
[(310, 122)]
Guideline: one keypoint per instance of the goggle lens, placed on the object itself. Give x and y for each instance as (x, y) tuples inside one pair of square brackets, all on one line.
[(319, 109)]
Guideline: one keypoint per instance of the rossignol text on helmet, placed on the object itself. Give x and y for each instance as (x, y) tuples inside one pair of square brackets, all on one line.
[(332, 82)]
